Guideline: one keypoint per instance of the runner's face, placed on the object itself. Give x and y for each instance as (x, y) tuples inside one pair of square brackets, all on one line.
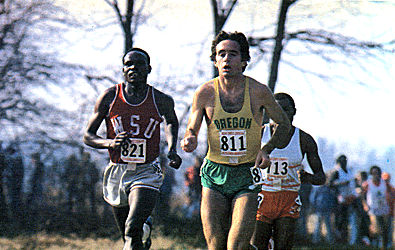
[(135, 67), (228, 58), (287, 107), (376, 174)]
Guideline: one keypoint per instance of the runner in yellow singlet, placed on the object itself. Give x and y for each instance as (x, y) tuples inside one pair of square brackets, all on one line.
[(232, 105)]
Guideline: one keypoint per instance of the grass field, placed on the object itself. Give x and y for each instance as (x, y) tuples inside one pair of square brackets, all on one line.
[(178, 234), (44, 241)]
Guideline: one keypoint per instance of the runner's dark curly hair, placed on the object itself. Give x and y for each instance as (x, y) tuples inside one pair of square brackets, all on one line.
[(282, 95), (375, 167), (238, 37)]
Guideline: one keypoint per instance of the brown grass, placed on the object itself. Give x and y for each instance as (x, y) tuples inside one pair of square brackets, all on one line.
[(177, 234), (45, 241)]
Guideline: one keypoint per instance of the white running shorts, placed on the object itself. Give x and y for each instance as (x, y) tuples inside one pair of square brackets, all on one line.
[(119, 179)]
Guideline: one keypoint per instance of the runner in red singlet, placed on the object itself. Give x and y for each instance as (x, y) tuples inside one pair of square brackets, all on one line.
[(133, 111)]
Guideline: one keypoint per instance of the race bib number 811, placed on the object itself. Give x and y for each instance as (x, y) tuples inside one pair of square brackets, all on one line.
[(233, 142), (134, 150)]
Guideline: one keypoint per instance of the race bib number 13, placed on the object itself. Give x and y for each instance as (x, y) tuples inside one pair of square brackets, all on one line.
[(134, 150), (278, 168), (233, 142)]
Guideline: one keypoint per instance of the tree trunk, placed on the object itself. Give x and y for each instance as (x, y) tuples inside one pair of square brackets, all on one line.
[(127, 26), (220, 16), (278, 48)]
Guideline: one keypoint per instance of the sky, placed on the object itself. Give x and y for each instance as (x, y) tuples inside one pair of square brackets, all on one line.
[(354, 117)]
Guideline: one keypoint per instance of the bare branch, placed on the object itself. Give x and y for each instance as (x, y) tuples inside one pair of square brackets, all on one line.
[(337, 40)]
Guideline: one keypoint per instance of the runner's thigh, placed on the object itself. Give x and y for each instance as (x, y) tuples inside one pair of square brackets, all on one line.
[(215, 211), (243, 218)]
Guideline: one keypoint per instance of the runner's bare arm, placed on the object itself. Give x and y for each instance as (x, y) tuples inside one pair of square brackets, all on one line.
[(166, 109), (283, 126), (190, 142), (100, 111), (310, 148), (275, 112)]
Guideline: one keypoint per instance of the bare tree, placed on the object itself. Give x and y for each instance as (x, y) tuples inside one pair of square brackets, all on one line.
[(130, 20), (285, 4), (320, 42), (27, 61), (221, 15), (325, 39)]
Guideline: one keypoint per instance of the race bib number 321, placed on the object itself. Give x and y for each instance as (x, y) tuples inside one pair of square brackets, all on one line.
[(233, 142), (134, 150)]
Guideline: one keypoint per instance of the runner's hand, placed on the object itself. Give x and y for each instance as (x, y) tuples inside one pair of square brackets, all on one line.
[(262, 160), (305, 177), (175, 160), (118, 140), (189, 144)]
